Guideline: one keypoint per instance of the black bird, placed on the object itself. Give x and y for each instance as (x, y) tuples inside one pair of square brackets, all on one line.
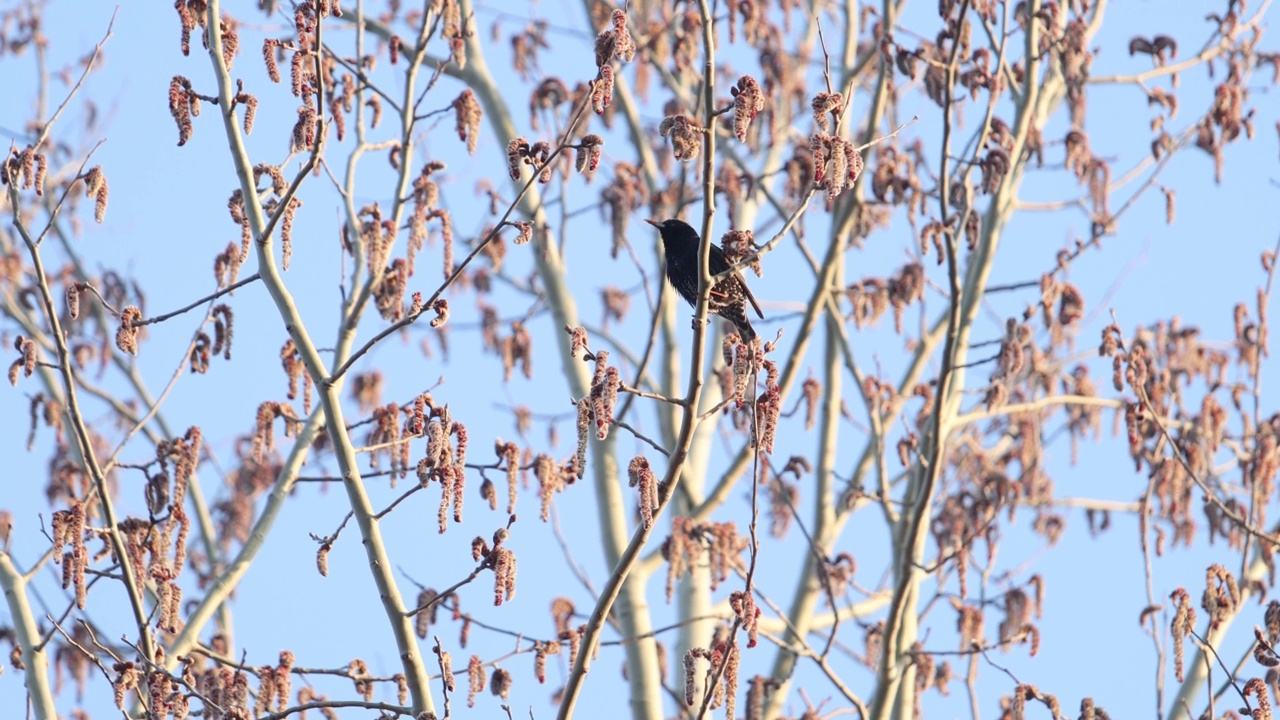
[(729, 295)]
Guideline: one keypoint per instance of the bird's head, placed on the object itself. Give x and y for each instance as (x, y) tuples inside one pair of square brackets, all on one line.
[(675, 231)]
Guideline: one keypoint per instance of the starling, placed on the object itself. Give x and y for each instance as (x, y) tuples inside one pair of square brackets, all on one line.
[(729, 295)]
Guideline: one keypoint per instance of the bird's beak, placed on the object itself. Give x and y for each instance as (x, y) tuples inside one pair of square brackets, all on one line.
[(653, 222)]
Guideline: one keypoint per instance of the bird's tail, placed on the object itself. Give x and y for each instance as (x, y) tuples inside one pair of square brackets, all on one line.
[(734, 312), (747, 332)]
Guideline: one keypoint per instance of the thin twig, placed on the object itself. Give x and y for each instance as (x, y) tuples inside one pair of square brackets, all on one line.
[(197, 303)]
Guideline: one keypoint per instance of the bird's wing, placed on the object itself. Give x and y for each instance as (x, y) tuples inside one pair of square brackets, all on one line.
[(750, 298), (718, 264)]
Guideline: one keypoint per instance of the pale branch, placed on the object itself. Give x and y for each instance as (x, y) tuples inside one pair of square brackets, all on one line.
[(1209, 494), (1036, 406), (446, 675), (652, 396), (804, 649), (256, 670), (80, 429), (642, 376), (55, 209), (1211, 50), (754, 256), (827, 520), (399, 499), (641, 437), (153, 408), (133, 376), (359, 73), (397, 710), (820, 563), (90, 64), (428, 305), (441, 596), (176, 678), (329, 540), (1237, 671), (1206, 646), (91, 657), (578, 571), (416, 675), (27, 636), (688, 421)]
